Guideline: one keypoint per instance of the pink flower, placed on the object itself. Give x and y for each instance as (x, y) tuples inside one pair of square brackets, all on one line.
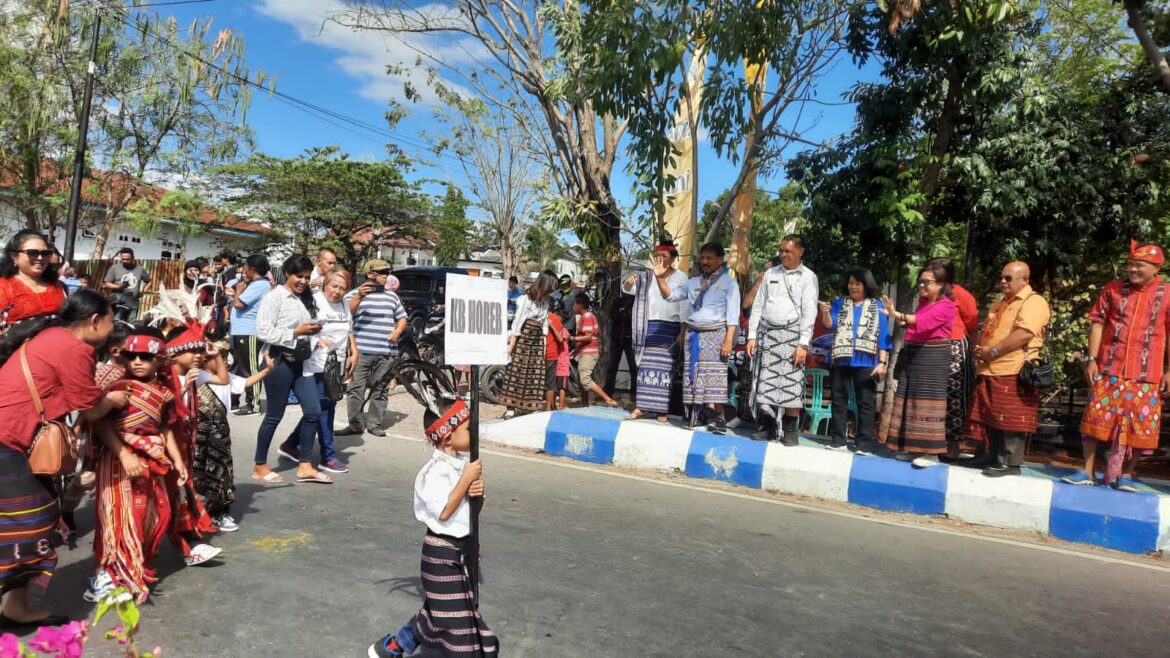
[(9, 646)]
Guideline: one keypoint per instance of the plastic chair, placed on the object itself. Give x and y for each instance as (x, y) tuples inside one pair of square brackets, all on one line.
[(817, 408)]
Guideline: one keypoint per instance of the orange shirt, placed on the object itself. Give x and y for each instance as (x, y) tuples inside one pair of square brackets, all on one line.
[(1136, 321), (1026, 310)]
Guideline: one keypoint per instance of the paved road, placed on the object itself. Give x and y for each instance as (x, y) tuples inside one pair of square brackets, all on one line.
[(586, 562)]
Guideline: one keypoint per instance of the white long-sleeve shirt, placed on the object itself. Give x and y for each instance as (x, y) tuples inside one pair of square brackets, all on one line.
[(720, 304), (660, 309), (432, 489), (281, 312), (786, 297)]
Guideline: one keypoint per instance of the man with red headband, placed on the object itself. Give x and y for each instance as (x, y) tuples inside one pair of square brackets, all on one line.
[(656, 326), (1126, 368)]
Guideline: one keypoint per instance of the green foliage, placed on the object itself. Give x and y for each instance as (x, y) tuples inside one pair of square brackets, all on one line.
[(454, 228), (324, 198), (773, 217)]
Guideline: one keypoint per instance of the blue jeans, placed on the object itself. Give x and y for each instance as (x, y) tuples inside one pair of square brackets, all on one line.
[(287, 377), (324, 425)]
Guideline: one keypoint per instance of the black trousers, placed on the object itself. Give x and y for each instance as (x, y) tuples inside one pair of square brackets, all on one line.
[(622, 344), (859, 380), (245, 353)]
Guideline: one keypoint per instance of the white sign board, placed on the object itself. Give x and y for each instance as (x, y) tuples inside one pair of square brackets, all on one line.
[(476, 321)]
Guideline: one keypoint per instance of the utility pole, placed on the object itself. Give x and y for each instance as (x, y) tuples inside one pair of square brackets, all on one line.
[(82, 134)]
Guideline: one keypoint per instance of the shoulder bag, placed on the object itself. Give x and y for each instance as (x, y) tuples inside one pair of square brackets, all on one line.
[(54, 448), (334, 376), (1037, 374)]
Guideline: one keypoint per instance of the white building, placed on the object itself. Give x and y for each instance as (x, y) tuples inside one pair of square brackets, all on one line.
[(170, 239)]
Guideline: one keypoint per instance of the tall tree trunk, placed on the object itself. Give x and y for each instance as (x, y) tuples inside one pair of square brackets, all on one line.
[(1137, 20), (944, 135)]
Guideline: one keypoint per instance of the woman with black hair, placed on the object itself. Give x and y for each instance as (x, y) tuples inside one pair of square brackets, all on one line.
[(28, 279), (861, 351), (524, 380), (284, 323), (918, 427), (59, 354)]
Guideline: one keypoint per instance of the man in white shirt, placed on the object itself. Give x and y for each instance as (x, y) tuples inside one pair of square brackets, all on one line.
[(710, 337), (326, 261), (656, 326), (779, 333)]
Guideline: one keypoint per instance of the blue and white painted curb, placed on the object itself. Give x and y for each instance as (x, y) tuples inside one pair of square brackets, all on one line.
[(1038, 502)]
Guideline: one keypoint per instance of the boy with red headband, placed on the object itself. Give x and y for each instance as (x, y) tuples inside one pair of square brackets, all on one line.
[(1125, 368), (449, 620)]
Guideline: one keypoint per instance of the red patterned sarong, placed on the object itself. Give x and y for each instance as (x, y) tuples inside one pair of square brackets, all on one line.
[(999, 403), (1125, 413)]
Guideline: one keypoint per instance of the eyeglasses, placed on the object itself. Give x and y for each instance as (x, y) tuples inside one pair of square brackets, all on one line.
[(34, 254), (1007, 278), (382, 272), (922, 283), (131, 357)]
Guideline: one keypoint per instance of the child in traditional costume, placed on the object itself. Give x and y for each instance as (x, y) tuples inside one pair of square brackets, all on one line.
[(213, 469), (134, 509), (449, 621)]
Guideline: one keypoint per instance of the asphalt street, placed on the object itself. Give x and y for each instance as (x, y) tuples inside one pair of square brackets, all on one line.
[(583, 561)]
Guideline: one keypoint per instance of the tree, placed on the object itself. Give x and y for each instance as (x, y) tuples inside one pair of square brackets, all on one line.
[(639, 67), (528, 76), (774, 217), (1138, 14), (454, 229), (500, 167), (324, 198), (543, 245), (166, 99)]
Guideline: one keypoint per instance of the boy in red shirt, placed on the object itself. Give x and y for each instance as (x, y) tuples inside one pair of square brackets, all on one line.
[(588, 335), (556, 342)]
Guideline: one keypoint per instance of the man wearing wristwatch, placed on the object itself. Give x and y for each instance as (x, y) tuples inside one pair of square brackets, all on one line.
[(779, 333), (1003, 413), (1126, 369)]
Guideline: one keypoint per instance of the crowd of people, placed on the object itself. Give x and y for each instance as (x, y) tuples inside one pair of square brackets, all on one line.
[(963, 390), (151, 398)]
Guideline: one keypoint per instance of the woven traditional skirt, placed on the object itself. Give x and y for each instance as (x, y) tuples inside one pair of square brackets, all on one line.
[(704, 369), (999, 403), (656, 370), (30, 515), (777, 382), (449, 620), (918, 423), (524, 378), (960, 386), (212, 467)]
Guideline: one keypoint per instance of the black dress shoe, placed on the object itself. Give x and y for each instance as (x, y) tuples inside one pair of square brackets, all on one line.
[(8, 623), (1000, 470)]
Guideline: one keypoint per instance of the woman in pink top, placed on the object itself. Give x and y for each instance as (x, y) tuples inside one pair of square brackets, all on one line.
[(918, 428)]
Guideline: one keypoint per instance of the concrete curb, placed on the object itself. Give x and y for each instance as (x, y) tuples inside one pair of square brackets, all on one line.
[(1134, 523)]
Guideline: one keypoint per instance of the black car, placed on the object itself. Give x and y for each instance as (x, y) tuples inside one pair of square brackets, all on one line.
[(423, 292)]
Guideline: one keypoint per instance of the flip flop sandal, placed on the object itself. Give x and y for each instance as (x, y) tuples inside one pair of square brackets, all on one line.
[(635, 416), (662, 419), (319, 478), (271, 477), (614, 405)]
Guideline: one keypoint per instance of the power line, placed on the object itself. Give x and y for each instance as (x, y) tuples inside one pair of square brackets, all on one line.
[(330, 116)]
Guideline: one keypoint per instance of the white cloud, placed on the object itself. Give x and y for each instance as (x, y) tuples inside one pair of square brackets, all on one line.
[(364, 55)]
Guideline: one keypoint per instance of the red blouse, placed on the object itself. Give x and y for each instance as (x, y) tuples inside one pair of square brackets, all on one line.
[(967, 318), (1136, 321), (27, 303), (62, 368)]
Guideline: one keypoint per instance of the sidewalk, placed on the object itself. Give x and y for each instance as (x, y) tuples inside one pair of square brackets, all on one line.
[(1035, 501)]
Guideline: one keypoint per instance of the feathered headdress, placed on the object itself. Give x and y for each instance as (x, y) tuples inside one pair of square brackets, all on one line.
[(177, 305), (430, 386)]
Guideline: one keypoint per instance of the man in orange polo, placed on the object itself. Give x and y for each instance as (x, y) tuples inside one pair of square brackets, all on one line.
[(1003, 413), (1126, 368)]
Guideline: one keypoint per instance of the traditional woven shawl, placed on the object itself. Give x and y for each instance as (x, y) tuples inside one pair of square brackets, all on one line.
[(867, 330)]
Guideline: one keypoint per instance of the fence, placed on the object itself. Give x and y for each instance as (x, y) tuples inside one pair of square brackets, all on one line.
[(165, 272)]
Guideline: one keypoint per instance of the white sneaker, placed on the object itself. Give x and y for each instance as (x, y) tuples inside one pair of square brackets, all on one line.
[(227, 524), (99, 586), (201, 554), (925, 461)]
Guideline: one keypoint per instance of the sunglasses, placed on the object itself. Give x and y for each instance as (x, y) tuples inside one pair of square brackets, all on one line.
[(131, 357), (1006, 278), (34, 254), (382, 272), (922, 283)]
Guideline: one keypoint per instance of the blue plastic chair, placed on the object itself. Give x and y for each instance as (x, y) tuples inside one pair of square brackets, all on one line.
[(817, 408)]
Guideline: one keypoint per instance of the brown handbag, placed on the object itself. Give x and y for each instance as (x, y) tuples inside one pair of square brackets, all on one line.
[(54, 448)]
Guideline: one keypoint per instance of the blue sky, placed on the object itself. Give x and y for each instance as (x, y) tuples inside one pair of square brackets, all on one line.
[(346, 72)]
